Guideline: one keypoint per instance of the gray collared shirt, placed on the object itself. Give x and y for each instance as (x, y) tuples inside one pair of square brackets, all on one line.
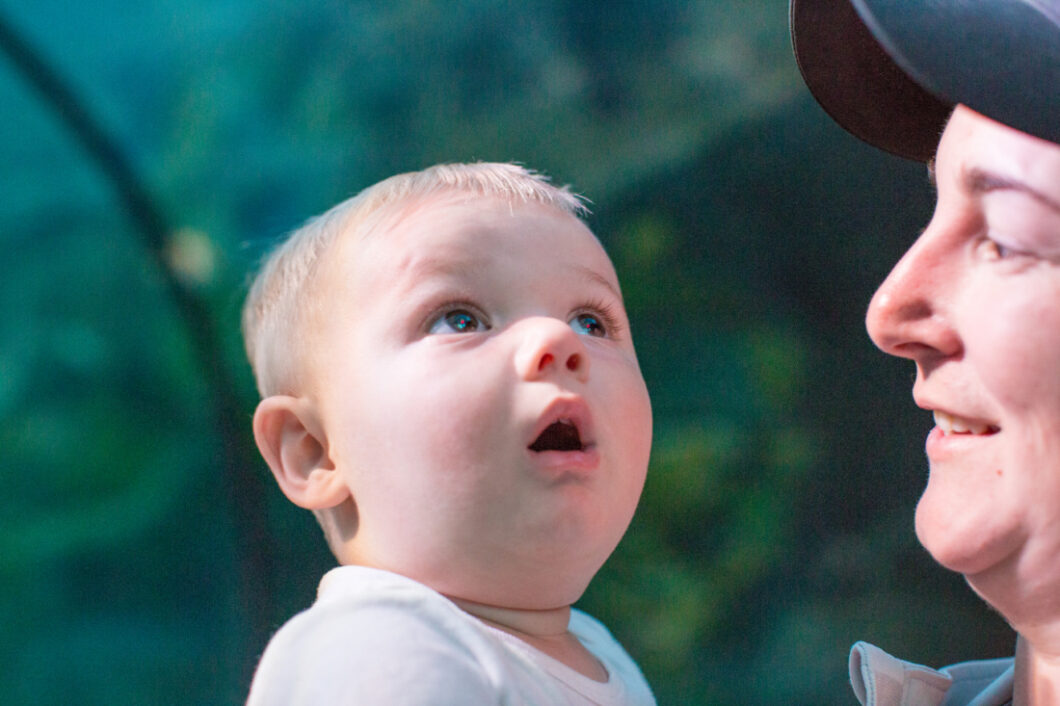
[(882, 680)]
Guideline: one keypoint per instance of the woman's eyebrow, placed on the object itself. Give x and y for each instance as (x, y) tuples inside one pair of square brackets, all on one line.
[(979, 181)]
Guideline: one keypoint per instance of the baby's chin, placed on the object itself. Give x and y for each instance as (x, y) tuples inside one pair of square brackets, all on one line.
[(517, 586), (527, 591), (509, 601)]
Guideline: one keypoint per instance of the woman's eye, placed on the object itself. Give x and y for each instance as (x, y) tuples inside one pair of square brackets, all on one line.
[(996, 251), (457, 321), (589, 324)]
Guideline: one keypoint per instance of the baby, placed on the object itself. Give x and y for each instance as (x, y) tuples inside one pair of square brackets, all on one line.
[(449, 383)]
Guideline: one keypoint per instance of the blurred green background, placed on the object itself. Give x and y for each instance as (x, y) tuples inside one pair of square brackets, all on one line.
[(146, 555)]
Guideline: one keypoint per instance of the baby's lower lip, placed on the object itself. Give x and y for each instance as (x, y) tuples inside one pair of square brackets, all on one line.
[(585, 459)]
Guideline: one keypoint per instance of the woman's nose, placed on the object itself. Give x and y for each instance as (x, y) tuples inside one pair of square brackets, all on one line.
[(549, 347), (909, 316)]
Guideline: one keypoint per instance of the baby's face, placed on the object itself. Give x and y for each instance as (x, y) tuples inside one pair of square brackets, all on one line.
[(480, 395)]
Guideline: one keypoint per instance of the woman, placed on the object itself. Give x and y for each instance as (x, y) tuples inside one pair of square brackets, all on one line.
[(974, 303)]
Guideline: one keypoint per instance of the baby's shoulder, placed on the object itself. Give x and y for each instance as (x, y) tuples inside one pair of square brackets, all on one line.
[(371, 635), (374, 607)]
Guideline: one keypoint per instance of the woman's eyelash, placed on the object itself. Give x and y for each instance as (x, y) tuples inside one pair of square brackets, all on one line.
[(999, 251)]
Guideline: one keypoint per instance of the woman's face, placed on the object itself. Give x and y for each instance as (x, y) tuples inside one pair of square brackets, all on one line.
[(975, 303)]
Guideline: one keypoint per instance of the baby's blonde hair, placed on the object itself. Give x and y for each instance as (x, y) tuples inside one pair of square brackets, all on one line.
[(280, 303)]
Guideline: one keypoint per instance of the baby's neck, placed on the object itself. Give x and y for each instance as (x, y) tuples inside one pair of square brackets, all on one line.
[(545, 630)]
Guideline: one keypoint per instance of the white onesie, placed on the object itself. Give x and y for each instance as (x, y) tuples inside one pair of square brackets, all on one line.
[(374, 637)]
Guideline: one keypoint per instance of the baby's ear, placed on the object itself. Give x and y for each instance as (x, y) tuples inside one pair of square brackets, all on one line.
[(292, 440)]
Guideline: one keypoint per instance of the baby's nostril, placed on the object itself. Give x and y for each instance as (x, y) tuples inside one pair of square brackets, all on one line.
[(573, 362), (545, 361)]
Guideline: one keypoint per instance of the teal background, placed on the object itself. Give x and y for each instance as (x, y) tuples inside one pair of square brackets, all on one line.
[(146, 555)]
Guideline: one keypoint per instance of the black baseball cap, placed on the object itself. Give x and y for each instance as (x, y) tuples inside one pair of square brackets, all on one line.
[(891, 71)]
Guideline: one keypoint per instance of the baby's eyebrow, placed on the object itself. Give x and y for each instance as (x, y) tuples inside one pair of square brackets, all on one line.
[(598, 278), (428, 267)]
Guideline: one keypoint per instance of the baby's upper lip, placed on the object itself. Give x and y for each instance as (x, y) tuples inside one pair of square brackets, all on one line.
[(572, 410)]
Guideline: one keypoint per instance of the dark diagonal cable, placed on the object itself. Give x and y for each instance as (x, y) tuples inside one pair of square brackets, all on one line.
[(245, 489)]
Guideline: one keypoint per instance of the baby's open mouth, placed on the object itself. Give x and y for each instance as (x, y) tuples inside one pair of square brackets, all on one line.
[(561, 435)]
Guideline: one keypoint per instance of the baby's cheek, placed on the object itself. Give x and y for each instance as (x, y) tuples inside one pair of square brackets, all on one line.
[(462, 419)]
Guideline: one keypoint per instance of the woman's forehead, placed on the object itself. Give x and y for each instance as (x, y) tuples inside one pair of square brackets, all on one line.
[(987, 153)]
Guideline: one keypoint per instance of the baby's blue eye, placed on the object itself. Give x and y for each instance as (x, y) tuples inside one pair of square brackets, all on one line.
[(589, 324), (457, 321)]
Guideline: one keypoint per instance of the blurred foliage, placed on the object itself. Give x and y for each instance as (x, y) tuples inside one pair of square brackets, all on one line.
[(748, 232)]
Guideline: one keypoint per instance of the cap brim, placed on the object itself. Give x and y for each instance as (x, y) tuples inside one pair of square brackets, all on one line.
[(890, 73)]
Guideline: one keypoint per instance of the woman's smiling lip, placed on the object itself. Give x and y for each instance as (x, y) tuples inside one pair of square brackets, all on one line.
[(955, 434), (953, 424)]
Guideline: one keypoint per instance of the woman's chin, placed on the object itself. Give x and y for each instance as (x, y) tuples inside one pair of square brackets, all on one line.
[(960, 541)]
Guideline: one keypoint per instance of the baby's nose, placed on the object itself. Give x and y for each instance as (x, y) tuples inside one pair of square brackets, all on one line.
[(550, 347)]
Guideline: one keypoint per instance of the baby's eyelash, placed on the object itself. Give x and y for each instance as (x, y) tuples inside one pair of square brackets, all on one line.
[(438, 311), (607, 313)]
